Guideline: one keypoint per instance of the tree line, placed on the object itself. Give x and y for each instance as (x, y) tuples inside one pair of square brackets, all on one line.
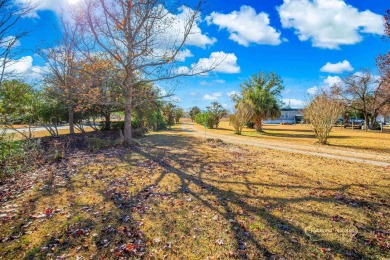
[(259, 99)]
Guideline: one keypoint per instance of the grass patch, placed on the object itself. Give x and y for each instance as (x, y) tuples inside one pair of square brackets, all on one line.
[(178, 196), (372, 141)]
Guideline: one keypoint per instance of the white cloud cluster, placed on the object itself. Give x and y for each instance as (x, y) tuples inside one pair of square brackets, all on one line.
[(246, 26), (177, 24), (218, 62), (332, 80), (174, 24), (212, 96), (337, 68), (326, 84), (329, 23), (57, 6), (24, 68), (313, 90)]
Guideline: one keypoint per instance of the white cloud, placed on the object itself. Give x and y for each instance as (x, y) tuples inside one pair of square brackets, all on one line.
[(232, 93), (9, 40), (294, 103), (159, 53), (312, 90), (175, 24), (24, 68), (325, 85), (212, 96), (329, 23), (246, 26), (161, 90), (218, 62), (57, 6), (175, 98), (182, 70), (337, 68), (184, 54), (330, 81), (193, 94)]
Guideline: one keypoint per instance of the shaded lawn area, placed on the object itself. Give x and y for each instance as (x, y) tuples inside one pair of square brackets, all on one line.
[(371, 141), (180, 197)]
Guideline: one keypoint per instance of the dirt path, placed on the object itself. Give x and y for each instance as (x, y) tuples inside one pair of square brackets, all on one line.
[(352, 156)]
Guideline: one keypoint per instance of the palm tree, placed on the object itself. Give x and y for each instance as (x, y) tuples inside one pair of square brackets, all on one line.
[(263, 91)]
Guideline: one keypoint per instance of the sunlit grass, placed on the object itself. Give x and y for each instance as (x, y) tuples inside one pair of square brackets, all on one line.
[(373, 141), (186, 198)]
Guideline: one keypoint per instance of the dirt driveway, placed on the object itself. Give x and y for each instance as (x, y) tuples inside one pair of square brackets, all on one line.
[(316, 150)]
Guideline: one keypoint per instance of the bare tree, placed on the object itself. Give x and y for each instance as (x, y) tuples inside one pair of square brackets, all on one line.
[(365, 93), (10, 14), (244, 112), (64, 65), (323, 112), (134, 34)]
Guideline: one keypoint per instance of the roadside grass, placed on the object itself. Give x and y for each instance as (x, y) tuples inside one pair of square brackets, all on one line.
[(180, 197), (372, 141), (44, 133)]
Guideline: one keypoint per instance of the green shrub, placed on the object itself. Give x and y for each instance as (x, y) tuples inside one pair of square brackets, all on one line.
[(137, 129), (250, 125), (205, 119), (17, 156)]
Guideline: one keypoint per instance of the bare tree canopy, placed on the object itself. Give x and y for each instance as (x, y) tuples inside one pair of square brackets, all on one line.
[(10, 14), (322, 112), (134, 34), (366, 93)]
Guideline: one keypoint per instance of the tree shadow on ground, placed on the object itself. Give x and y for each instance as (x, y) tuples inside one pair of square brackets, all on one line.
[(119, 229), (227, 198)]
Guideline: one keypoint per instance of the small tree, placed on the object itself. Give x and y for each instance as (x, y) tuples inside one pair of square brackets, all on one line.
[(64, 66), (50, 111), (216, 113), (244, 112), (16, 100), (134, 34), (323, 112), (263, 91), (169, 113), (204, 119), (193, 112), (179, 112)]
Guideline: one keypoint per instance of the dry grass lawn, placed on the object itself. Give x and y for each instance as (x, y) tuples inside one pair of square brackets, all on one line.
[(180, 197), (371, 141), (44, 133)]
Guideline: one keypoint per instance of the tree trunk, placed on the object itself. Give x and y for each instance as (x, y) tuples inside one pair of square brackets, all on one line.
[(128, 109), (107, 123), (71, 122), (366, 121), (258, 124), (373, 120)]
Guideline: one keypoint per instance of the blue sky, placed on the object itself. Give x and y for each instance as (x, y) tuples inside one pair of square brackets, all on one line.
[(309, 43)]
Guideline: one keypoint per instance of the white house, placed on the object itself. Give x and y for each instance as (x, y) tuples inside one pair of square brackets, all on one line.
[(288, 115)]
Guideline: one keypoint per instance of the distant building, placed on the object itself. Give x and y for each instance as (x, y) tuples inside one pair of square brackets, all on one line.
[(383, 118), (288, 115)]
